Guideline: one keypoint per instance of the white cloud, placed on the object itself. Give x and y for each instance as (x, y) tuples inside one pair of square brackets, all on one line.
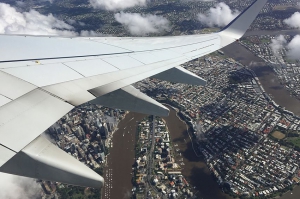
[(34, 23), (142, 24), (196, 0), (16, 187), (278, 44), (74, 22), (81, 23), (294, 48), (116, 4), (90, 33), (293, 21), (71, 21), (220, 15)]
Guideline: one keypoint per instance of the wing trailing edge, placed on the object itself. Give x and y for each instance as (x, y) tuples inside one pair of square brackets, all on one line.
[(180, 75), (43, 160), (46, 101), (131, 99)]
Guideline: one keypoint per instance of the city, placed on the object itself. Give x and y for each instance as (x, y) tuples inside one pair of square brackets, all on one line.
[(246, 138), (249, 142), (236, 127)]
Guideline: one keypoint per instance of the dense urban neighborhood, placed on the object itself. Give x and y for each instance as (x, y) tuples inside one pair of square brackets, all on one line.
[(158, 163), (250, 143)]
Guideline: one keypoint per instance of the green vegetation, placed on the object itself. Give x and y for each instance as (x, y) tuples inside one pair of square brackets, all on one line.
[(294, 140), (246, 41), (289, 61), (209, 30), (75, 192), (286, 138), (284, 8), (265, 41)]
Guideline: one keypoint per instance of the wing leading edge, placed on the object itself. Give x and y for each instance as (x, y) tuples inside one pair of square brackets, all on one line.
[(46, 77)]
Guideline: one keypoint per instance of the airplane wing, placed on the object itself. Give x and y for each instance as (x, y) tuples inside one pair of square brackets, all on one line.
[(43, 78)]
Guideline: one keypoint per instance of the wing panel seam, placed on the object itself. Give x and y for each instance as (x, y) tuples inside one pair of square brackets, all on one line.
[(6, 97), (8, 148), (72, 69), (121, 53)]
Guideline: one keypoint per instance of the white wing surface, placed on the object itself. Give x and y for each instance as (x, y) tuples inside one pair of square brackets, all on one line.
[(43, 78)]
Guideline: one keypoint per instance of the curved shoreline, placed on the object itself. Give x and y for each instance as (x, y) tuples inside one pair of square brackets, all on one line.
[(195, 169), (266, 76), (294, 194), (187, 127)]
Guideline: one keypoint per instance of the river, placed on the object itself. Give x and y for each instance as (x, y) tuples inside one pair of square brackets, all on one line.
[(195, 169), (270, 83), (266, 76), (117, 174), (121, 157)]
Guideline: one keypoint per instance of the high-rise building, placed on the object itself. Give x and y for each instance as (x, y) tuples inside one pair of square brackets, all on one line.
[(109, 127), (103, 132)]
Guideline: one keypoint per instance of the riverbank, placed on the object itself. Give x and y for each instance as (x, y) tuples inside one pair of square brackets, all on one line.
[(121, 157), (117, 174), (266, 76), (195, 169)]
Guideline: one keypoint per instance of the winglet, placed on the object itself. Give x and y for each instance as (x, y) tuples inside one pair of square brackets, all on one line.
[(237, 28)]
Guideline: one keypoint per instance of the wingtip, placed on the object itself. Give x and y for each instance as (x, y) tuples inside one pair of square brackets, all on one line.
[(237, 27)]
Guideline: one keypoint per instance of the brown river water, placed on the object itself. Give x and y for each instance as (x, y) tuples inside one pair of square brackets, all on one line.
[(118, 173), (121, 158), (266, 76)]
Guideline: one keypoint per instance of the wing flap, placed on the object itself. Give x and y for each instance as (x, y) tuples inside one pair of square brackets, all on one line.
[(34, 109), (180, 75), (5, 155), (43, 75), (131, 99), (4, 100), (23, 119), (91, 67), (43, 160), (13, 87)]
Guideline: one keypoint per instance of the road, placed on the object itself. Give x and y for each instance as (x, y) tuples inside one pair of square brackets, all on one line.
[(150, 155)]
